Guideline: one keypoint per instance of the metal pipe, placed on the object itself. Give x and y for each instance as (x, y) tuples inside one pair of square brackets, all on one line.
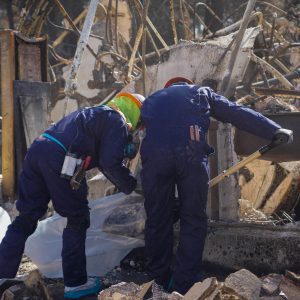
[(228, 82), (71, 85), (293, 75)]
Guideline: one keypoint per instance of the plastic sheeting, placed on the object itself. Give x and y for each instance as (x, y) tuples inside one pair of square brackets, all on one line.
[(4, 222), (104, 250)]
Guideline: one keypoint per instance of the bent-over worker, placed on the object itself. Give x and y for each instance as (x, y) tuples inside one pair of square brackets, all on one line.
[(98, 136), (175, 152)]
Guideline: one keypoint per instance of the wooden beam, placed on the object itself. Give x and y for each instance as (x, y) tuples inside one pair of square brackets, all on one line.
[(7, 61)]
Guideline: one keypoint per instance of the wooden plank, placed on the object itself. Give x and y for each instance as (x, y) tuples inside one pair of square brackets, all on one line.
[(7, 61), (278, 196), (255, 180), (266, 185)]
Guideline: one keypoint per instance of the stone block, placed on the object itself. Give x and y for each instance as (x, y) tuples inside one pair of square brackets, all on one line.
[(243, 283)]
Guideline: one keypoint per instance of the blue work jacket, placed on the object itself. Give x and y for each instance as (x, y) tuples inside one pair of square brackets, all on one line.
[(101, 133), (169, 113)]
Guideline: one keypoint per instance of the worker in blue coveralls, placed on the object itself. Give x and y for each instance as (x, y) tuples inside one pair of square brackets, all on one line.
[(175, 152), (99, 133)]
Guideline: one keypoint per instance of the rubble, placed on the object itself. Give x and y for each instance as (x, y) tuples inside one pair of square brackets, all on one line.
[(201, 290), (241, 285), (32, 286), (274, 105), (248, 213), (124, 291)]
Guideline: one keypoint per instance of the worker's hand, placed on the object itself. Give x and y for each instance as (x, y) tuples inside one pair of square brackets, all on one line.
[(283, 135), (131, 148)]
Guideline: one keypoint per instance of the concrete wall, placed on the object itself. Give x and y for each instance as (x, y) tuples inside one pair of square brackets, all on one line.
[(258, 248)]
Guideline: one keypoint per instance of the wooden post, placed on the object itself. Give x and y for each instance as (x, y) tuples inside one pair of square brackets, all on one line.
[(213, 195), (7, 61), (229, 191)]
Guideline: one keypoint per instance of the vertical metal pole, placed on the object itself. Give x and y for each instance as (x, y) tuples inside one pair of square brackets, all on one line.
[(229, 83), (71, 83), (144, 40), (7, 62)]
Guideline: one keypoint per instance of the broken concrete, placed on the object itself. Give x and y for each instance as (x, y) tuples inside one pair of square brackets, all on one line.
[(201, 290), (31, 286), (122, 290), (244, 283), (270, 284)]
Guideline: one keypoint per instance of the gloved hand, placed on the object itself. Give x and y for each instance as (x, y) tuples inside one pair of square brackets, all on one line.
[(283, 135), (131, 148)]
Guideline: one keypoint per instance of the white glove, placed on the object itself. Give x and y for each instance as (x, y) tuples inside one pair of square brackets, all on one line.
[(283, 135)]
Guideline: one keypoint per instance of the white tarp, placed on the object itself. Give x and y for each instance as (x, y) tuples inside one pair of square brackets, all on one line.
[(104, 250), (4, 222)]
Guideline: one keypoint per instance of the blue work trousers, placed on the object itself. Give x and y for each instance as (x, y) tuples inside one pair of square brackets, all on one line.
[(39, 182), (163, 169)]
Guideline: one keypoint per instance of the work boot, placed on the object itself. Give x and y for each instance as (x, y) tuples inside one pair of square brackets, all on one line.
[(158, 292), (92, 286)]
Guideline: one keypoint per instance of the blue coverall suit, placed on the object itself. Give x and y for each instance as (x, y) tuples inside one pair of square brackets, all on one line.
[(170, 157), (97, 131)]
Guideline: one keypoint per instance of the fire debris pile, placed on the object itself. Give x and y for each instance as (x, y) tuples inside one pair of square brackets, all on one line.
[(126, 37), (241, 285)]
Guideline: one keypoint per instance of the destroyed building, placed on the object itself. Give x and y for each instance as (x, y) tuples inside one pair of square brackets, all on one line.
[(56, 57)]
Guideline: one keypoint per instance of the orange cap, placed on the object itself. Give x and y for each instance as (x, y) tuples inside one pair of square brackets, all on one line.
[(177, 79)]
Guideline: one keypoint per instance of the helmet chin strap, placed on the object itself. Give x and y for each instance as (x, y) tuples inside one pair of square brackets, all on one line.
[(114, 107)]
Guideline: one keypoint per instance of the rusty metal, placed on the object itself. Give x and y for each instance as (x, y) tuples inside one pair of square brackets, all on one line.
[(210, 10), (60, 38), (195, 15), (229, 29), (156, 50), (33, 17), (116, 26), (246, 143), (150, 24), (133, 53), (172, 21), (108, 27), (144, 40), (62, 60), (67, 17), (272, 70), (183, 20)]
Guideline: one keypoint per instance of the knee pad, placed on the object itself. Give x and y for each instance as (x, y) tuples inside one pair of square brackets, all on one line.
[(79, 222), (25, 223)]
